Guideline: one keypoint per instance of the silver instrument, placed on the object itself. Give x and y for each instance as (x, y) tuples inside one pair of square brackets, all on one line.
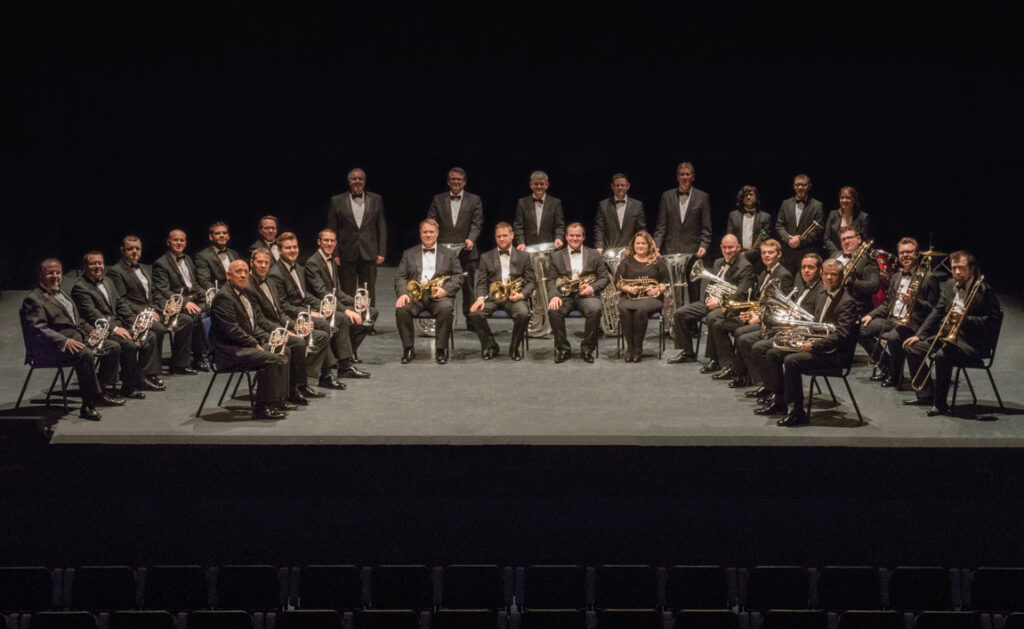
[(172, 308), (100, 330), (211, 293), (426, 326), (795, 332), (361, 304), (776, 304), (610, 294), (676, 296), (329, 306), (304, 327), (718, 288), (540, 258), (278, 340), (140, 327)]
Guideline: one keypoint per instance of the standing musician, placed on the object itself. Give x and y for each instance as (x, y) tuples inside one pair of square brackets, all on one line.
[(267, 238), (55, 333), (422, 264), (538, 216), (175, 273), (749, 223), (619, 217), (96, 298), (322, 277), (641, 279), (240, 334), (133, 281), (212, 262), (835, 306), (263, 295), (460, 216), (288, 278), (795, 224), (732, 268), (684, 220), (572, 263), (849, 214), (749, 322), (969, 312), (862, 281), (357, 217), (912, 294), (503, 265)]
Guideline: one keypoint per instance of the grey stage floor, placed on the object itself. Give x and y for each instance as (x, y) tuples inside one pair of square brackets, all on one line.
[(472, 401)]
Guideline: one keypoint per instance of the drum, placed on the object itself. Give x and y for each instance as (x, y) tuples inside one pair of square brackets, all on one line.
[(887, 265)]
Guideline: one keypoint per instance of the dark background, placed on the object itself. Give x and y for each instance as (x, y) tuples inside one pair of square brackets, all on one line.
[(132, 119)]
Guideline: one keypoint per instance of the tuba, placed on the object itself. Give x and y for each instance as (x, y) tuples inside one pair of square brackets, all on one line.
[(172, 307), (567, 286), (949, 332), (361, 304), (278, 340), (211, 292), (100, 330), (500, 292), (718, 288), (140, 327), (416, 290)]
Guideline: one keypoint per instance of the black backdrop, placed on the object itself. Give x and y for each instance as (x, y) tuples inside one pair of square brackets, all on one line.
[(143, 119)]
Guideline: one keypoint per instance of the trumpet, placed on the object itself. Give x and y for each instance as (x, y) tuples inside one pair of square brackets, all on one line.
[(172, 307), (211, 292), (500, 292), (278, 339), (140, 327), (719, 289), (303, 326), (642, 284), (328, 306), (415, 290), (814, 225), (361, 304), (567, 286), (949, 331), (795, 332), (100, 330)]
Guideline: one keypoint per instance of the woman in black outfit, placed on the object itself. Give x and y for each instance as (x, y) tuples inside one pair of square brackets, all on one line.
[(636, 304), (848, 214)]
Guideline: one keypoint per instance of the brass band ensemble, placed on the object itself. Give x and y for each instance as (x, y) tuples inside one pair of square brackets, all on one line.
[(780, 298)]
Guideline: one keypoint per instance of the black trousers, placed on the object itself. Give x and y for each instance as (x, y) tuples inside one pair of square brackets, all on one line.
[(744, 338), (352, 275), (518, 310), (442, 309), (947, 356), (131, 372), (633, 317), (720, 329), (181, 343), (590, 307), (272, 377), (685, 321)]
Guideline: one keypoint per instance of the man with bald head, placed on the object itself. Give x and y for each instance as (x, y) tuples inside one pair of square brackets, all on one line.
[(175, 273)]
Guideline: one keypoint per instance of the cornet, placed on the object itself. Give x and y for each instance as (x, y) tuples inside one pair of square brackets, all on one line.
[(100, 330), (140, 327), (328, 306), (361, 304), (642, 284), (304, 327), (172, 308), (278, 339)]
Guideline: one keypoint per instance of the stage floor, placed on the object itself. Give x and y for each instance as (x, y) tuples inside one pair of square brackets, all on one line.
[(470, 401)]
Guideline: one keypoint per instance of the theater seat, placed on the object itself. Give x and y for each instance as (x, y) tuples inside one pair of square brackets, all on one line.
[(997, 589), (27, 589), (554, 587), (252, 588), (101, 588), (475, 587), (141, 620), (626, 587), (386, 619), (308, 619), (219, 619), (917, 588), (174, 588), (948, 620), (401, 587), (706, 619), (778, 587), (849, 587), (329, 587), (62, 620), (697, 587)]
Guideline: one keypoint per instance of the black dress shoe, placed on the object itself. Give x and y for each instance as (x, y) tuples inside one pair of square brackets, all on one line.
[(638, 356), (515, 354), (725, 374), (796, 418), (491, 352), (182, 371), (739, 382), (562, 356), (265, 412), (133, 395), (441, 356), (310, 392), (372, 332), (890, 382), (682, 357), (355, 359), (408, 355), (106, 400), (937, 410), (298, 399), (154, 383), (587, 355), (201, 365), (775, 408), (918, 401), (880, 376), (285, 405), (758, 392), (711, 367), (330, 382), (90, 413), (353, 372)]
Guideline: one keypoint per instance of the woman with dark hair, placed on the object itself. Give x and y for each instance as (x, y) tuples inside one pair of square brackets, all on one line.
[(849, 214), (641, 278)]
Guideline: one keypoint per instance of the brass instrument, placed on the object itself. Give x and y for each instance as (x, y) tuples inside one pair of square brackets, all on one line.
[(415, 290), (500, 292), (675, 296), (140, 327), (100, 330), (304, 327), (567, 286), (923, 266), (778, 305), (329, 306), (361, 304), (210, 293), (718, 288), (814, 225), (761, 235), (856, 258), (642, 284), (278, 339), (949, 331), (610, 294), (753, 306), (172, 307), (540, 258), (793, 332)]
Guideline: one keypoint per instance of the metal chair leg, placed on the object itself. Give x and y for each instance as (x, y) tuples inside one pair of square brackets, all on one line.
[(53, 383), (252, 395), (64, 387), (24, 386), (970, 385), (810, 394), (849, 391), (227, 385), (830, 391), (956, 385), (993, 381), (207, 394), (238, 383)]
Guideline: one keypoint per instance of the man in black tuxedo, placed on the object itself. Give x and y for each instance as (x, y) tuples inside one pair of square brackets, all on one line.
[(619, 217), (460, 216), (55, 333), (423, 263), (797, 215), (571, 263), (212, 262), (684, 221), (538, 217), (267, 238), (288, 277), (240, 334), (502, 264), (322, 278), (979, 325), (750, 224), (173, 273), (864, 280), (96, 298), (263, 295), (133, 281), (836, 306), (357, 217), (735, 270)]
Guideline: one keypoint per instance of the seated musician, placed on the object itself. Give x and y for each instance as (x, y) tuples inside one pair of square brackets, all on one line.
[(748, 322), (239, 335), (571, 264), (511, 269), (174, 273), (428, 265), (734, 269), (967, 313), (835, 306), (912, 293), (862, 280), (56, 333), (641, 279), (323, 278)]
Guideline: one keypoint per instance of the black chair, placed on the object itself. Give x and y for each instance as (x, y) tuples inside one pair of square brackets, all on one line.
[(997, 589), (778, 587), (849, 587), (468, 619), (981, 363), (27, 589), (174, 588), (874, 619), (62, 620), (65, 379), (329, 587), (947, 620), (475, 587), (838, 372), (386, 619), (795, 619), (706, 619), (501, 313), (620, 343), (308, 619), (401, 587), (697, 587), (254, 587), (917, 588), (141, 620), (626, 587), (629, 619), (554, 587), (425, 314), (239, 371), (101, 588), (553, 619), (219, 619)]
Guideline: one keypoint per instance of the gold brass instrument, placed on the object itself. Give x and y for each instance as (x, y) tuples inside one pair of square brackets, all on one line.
[(793, 332), (500, 292), (328, 306), (361, 304), (860, 254), (949, 331), (923, 266), (568, 286), (278, 339), (415, 290), (753, 306), (304, 327), (211, 292), (814, 225), (100, 330), (761, 235), (140, 327), (172, 307), (642, 284), (718, 288)]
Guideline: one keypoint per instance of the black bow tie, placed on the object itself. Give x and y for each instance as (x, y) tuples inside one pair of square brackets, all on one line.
[(575, 252), (133, 266), (428, 251), (503, 252), (536, 200), (683, 194), (357, 196), (620, 201), (455, 197), (178, 258), (749, 212)]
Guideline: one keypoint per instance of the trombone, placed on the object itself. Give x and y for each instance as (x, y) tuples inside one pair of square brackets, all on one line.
[(949, 331), (814, 225)]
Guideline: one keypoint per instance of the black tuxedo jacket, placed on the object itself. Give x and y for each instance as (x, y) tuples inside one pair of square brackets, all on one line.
[(93, 305), (843, 314), (980, 328), (864, 283), (168, 280), (607, 233), (363, 242), (259, 244), (593, 263), (230, 329), (130, 288), (318, 279), (272, 308), (293, 300), (762, 220), (781, 275), (927, 296), (810, 301), (740, 274), (672, 235), (210, 269), (786, 224), (552, 222), (411, 267), (490, 271), (831, 237), (46, 326), (467, 227)]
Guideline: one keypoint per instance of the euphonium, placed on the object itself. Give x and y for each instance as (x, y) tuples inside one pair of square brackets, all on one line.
[(949, 331), (278, 339), (210, 293), (328, 306), (100, 330), (140, 327), (858, 256), (415, 290), (500, 292), (567, 286), (718, 287), (361, 304), (795, 332), (783, 305), (643, 284), (172, 307)]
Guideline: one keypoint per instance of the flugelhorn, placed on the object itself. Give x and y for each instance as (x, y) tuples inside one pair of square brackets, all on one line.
[(642, 284), (172, 307), (568, 286), (718, 288), (949, 331), (415, 290), (140, 327), (500, 291)]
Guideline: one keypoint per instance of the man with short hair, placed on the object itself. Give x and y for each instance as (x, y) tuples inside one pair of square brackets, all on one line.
[(460, 216), (570, 264), (357, 218), (865, 278), (267, 237), (538, 217), (684, 221), (175, 273), (796, 217), (212, 262), (619, 217), (503, 265)]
